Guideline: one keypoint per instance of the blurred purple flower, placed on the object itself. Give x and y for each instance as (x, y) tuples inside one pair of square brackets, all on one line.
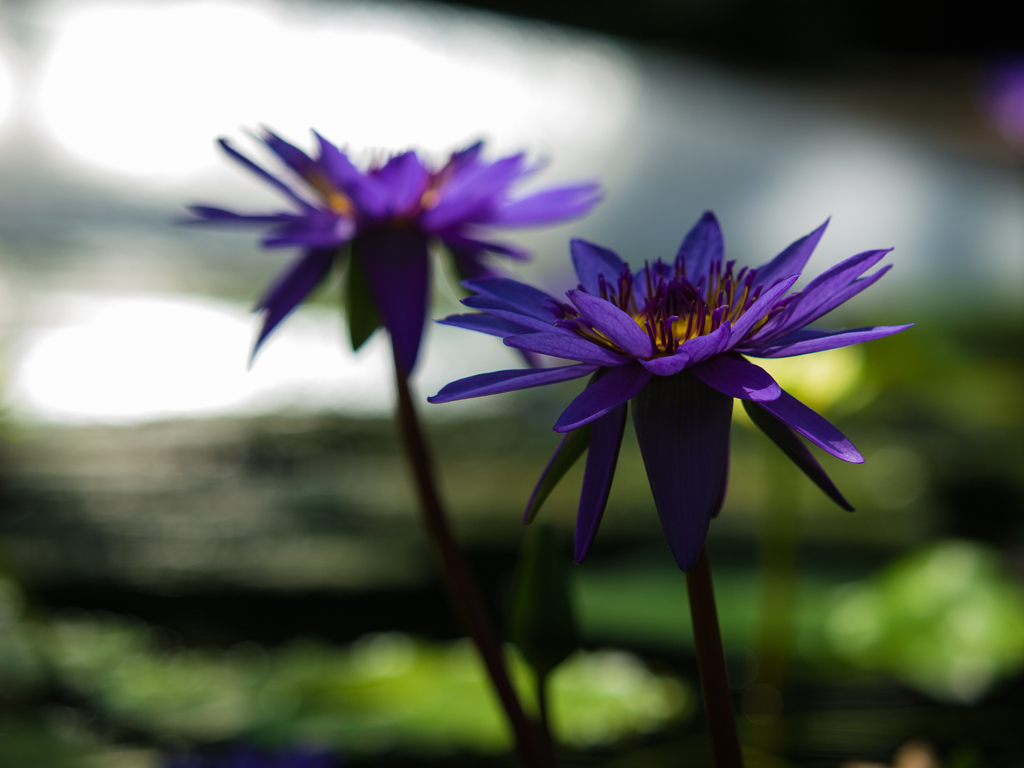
[(247, 757), (672, 338), (390, 213), (1003, 97)]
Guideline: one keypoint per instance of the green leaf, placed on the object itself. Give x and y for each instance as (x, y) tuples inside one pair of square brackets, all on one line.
[(360, 308), (573, 445), (541, 618)]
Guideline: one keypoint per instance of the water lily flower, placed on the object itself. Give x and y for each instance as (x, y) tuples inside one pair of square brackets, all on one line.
[(674, 338), (390, 214)]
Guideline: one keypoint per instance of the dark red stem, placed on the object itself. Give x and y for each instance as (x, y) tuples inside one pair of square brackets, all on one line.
[(531, 747), (714, 683)]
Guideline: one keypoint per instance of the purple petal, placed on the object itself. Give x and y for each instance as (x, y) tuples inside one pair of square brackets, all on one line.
[(567, 346), (312, 234), (797, 452), (824, 288), (292, 156), (265, 175), (458, 239), (367, 192), (808, 340), (702, 347), (473, 192), (813, 426), (470, 263), (529, 300), (845, 295), (602, 456), (682, 426), (290, 287), (509, 311), (549, 207), (668, 365), (603, 396), (493, 326), (702, 245), (592, 260), (723, 487), (397, 267), (758, 310), (507, 381), (622, 329), (208, 214), (793, 259), (405, 178), (736, 377)]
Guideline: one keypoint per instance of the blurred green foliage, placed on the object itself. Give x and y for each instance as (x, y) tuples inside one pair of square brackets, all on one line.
[(947, 619), (385, 692)]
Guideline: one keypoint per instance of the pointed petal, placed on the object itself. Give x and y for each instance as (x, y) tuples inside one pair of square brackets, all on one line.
[(809, 340), (573, 445), (613, 323), (292, 156), (548, 207), (606, 394), (461, 240), (529, 300), (367, 192), (793, 259), (840, 298), (736, 377), (797, 452), (605, 441), (397, 268), (472, 192), (682, 426), (703, 347), (319, 232), (509, 311), (702, 245), (470, 263), (275, 182), (290, 287), (813, 426), (669, 365), (493, 326), (567, 346), (758, 310), (405, 179), (824, 288), (591, 260), (496, 382), (213, 215)]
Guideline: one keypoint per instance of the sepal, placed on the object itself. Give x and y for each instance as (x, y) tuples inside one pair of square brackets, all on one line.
[(573, 445), (797, 452), (360, 309)]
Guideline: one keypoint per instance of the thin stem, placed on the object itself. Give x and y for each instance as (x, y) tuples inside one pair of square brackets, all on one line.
[(714, 682), (532, 749)]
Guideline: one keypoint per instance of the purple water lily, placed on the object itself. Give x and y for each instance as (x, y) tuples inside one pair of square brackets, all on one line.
[(389, 215), (674, 338)]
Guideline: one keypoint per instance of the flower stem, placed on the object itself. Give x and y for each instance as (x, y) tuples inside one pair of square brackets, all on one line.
[(714, 682), (529, 743)]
